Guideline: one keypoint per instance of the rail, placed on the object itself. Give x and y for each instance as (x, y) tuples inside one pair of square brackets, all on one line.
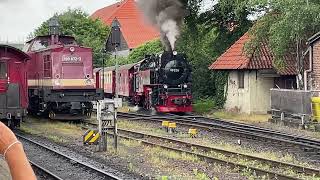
[(67, 160)]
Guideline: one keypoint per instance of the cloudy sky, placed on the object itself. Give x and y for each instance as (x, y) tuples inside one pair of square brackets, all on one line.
[(20, 17)]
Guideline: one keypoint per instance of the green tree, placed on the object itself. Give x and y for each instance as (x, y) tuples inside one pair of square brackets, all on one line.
[(151, 47), (286, 25), (205, 37), (88, 32), (137, 54)]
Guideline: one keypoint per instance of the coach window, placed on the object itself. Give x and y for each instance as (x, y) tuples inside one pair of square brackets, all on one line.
[(3, 70), (241, 79), (46, 66)]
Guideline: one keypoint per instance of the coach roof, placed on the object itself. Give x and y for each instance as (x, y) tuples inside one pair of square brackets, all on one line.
[(14, 50)]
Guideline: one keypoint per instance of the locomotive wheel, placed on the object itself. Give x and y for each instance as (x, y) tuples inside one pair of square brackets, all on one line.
[(52, 115)]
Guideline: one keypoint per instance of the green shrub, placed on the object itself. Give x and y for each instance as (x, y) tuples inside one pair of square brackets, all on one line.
[(204, 105)]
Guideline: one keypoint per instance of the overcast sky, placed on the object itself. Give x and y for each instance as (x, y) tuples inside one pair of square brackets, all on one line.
[(20, 17)]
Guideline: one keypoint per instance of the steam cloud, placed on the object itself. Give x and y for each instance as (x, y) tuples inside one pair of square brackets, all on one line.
[(167, 15)]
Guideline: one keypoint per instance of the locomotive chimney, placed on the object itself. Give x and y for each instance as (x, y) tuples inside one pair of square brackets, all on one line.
[(54, 30)]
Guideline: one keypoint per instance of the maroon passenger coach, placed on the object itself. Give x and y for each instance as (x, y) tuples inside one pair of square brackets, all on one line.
[(162, 82), (13, 85)]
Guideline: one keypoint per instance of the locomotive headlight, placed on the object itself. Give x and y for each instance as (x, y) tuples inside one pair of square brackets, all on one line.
[(57, 82), (88, 82), (72, 49), (185, 86), (165, 86), (87, 76), (175, 53)]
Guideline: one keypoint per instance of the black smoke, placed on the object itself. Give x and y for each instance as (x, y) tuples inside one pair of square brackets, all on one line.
[(167, 16)]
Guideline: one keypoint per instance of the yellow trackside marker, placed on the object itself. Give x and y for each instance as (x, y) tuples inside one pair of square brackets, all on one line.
[(172, 125), (88, 135), (95, 138), (193, 132), (91, 137), (165, 123)]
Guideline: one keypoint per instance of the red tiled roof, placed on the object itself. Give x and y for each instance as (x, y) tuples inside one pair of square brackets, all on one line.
[(236, 58), (135, 29)]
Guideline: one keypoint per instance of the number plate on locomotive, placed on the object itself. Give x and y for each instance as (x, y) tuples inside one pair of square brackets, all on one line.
[(71, 59)]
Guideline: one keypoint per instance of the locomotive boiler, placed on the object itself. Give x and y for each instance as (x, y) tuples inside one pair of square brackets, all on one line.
[(60, 77)]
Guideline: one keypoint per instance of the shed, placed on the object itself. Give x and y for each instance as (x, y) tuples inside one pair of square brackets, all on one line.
[(251, 76)]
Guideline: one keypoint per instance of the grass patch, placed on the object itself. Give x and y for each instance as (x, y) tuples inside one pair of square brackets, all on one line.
[(53, 130), (203, 106), (249, 118)]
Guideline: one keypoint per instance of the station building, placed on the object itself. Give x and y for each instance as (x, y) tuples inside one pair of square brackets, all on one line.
[(251, 76), (135, 30)]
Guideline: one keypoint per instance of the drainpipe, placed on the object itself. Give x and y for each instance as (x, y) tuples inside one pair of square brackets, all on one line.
[(308, 70)]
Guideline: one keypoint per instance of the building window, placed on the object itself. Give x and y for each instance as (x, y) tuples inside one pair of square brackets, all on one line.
[(240, 79), (3, 70), (46, 66)]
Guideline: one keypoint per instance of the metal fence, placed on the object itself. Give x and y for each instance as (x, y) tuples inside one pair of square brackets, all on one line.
[(291, 101)]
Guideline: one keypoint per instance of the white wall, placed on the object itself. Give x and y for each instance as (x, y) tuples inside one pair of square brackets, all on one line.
[(253, 98)]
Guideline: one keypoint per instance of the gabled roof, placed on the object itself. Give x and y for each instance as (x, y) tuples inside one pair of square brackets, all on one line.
[(236, 58), (135, 29)]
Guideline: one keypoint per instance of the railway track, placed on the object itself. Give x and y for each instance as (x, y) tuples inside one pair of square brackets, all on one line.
[(58, 165), (232, 158), (309, 144), (43, 172)]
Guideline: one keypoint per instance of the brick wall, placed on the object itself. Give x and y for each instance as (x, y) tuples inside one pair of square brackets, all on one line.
[(316, 66)]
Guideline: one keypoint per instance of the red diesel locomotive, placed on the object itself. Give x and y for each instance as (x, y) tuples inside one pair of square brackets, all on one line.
[(60, 77), (159, 81), (13, 85)]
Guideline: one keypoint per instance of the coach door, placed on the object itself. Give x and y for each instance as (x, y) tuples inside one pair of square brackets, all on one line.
[(3, 84), (13, 90)]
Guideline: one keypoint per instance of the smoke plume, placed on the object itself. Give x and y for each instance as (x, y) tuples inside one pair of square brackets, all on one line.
[(167, 16)]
